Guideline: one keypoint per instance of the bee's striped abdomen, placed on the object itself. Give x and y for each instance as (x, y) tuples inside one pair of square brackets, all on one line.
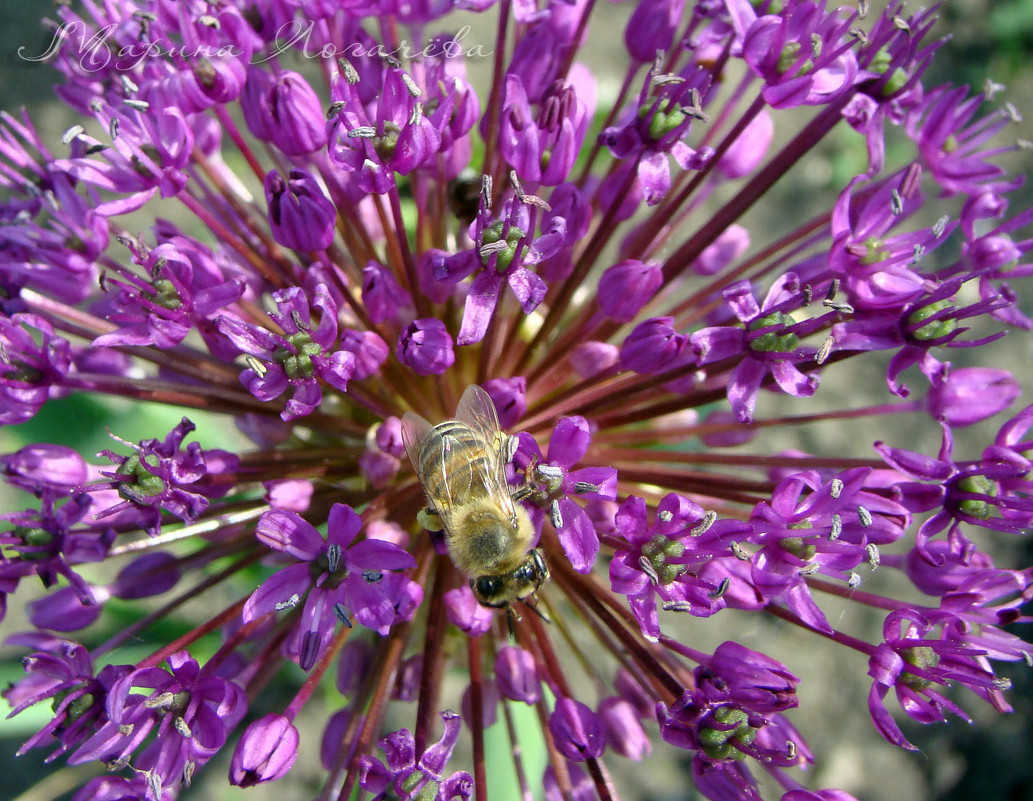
[(453, 461)]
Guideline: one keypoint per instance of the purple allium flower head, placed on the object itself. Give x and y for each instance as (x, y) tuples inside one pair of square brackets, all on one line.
[(803, 54), (62, 670), (655, 563), (179, 293), (542, 149), (914, 659), (505, 251), (393, 135), (378, 207), (407, 775)]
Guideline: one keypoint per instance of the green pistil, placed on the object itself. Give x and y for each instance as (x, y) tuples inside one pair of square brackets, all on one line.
[(881, 64), (139, 166), (75, 243), (881, 61), (22, 372), (419, 788), (798, 548), (38, 539), (320, 566), (720, 743), (504, 258), (771, 341), (144, 484), (876, 252), (165, 294), (169, 703), (205, 73), (663, 119), (921, 656), (658, 550), (385, 145), (180, 702), (981, 510), (935, 329), (80, 706), (298, 364), (787, 58), (895, 83)]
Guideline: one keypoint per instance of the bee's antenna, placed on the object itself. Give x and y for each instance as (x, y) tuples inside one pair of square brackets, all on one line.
[(538, 611)]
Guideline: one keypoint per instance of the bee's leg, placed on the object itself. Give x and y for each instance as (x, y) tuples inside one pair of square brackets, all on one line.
[(429, 518), (522, 492), (511, 620), (538, 611), (512, 443), (528, 487)]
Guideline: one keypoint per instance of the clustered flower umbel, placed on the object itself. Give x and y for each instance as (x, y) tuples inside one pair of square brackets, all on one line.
[(360, 234)]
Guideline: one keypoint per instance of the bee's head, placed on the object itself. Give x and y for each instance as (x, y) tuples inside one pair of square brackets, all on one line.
[(524, 581)]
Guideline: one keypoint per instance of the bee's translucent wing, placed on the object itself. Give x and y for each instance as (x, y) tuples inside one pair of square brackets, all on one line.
[(418, 435), (414, 431), (477, 410)]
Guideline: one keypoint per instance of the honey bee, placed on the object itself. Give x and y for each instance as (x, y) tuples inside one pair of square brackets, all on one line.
[(461, 464)]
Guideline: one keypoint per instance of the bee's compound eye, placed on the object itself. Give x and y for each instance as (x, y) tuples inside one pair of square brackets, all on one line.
[(486, 588), (541, 569)]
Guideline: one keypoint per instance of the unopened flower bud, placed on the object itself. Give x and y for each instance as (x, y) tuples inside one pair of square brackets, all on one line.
[(265, 752), (652, 346), (510, 398), (578, 733), (465, 613), (624, 732), (971, 394), (370, 352), (425, 346), (626, 287), (283, 109), (592, 358), (516, 675), (301, 216)]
